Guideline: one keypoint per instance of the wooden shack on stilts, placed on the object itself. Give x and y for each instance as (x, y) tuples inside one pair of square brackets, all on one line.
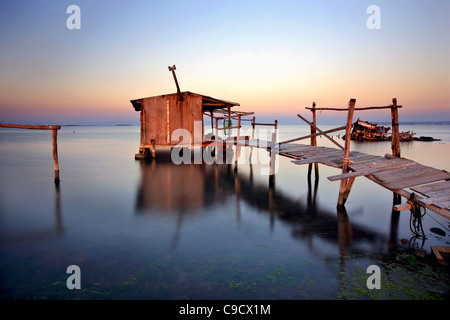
[(161, 116)]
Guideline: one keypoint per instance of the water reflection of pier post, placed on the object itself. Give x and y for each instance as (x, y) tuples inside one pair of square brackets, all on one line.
[(395, 216), (312, 194), (237, 190), (58, 212), (345, 232), (272, 201)]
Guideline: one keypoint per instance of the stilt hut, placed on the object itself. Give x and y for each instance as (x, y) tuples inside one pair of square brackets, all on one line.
[(162, 115)]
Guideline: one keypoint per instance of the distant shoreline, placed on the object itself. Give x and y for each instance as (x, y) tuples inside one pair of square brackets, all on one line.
[(440, 123)]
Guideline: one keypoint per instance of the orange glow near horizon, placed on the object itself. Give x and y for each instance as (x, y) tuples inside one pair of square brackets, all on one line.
[(273, 59)]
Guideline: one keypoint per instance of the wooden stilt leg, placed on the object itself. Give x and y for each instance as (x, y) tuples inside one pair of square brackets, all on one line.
[(346, 184), (314, 139), (395, 146), (253, 137), (55, 154), (238, 149), (153, 149), (272, 160), (343, 193)]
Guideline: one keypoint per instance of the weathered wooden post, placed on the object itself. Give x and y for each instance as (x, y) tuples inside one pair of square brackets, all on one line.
[(346, 184), (253, 137), (395, 146), (272, 160), (238, 148), (216, 142), (313, 142), (55, 154)]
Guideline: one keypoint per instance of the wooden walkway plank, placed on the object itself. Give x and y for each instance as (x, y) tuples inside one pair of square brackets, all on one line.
[(379, 172), (417, 180), (319, 159), (299, 150), (317, 154), (443, 205), (364, 160), (313, 160), (443, 185), (404, 173), (441, 202), (390, 172), (293, 147), (383, 163)]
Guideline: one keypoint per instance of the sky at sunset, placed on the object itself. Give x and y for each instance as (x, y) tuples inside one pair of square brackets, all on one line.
[(273, 57)]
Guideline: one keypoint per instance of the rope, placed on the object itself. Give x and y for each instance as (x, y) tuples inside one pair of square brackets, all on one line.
[(415, 221)]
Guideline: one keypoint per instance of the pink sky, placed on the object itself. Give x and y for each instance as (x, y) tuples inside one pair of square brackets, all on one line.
[(274, 58)]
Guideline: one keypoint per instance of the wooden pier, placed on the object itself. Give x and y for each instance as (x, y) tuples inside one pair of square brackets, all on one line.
[(430, 187), (162, 116)]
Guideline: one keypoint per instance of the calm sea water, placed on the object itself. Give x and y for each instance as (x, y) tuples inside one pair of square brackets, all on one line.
[(155, 230)]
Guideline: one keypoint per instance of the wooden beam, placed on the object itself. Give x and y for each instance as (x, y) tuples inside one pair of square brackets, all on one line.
[(395, 145), (329, 138), (356, 109), (265, 124), (24, 126), (227, 128), (346, 184), (402, 207), (314, 135)]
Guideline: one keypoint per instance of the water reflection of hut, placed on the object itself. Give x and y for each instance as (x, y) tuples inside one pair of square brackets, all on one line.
[(164, 187), (186, 190)]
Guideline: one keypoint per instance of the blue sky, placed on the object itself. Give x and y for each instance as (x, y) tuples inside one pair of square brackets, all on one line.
[(273, 57)]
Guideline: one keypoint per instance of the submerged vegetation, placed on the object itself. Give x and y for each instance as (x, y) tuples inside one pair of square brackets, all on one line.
[(403, 277)]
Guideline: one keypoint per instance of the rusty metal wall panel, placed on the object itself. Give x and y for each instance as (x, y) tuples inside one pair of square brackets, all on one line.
[(162, 115), (155, 120), (192, 107)]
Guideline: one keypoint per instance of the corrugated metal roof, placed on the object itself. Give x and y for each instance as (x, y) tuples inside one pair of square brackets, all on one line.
[(209, 103)]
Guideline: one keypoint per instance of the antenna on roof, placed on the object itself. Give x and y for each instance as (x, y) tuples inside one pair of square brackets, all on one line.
[(173, 68)]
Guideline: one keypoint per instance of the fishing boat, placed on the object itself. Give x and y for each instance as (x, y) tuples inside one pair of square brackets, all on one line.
[(366, 131)]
